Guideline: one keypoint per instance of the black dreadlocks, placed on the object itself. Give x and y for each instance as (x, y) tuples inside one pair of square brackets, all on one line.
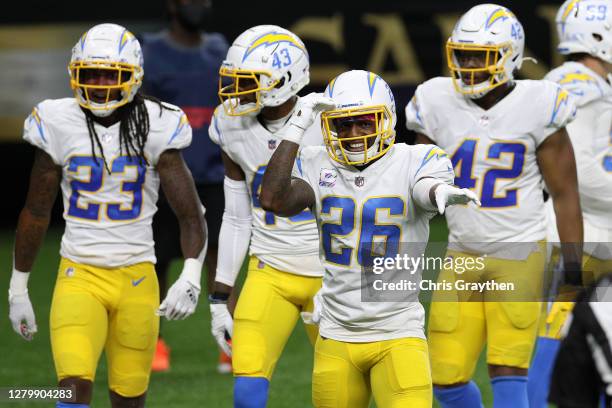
[(133, 128)]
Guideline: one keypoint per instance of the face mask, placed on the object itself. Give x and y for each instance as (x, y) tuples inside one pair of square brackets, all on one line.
[(194, 16)]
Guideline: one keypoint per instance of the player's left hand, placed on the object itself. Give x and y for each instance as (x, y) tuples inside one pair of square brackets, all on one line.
[(182, 298), (449, 195), (21, 314)]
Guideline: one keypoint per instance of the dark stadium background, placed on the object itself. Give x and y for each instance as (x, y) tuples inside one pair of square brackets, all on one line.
[(339, 35), (400, 40)]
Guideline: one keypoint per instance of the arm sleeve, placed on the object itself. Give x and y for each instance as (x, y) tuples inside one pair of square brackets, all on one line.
[(235, 233), (37, 133), (416, 114)]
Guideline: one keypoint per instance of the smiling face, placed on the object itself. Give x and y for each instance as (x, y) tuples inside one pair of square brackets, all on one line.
[(102, 85), (351, 131)]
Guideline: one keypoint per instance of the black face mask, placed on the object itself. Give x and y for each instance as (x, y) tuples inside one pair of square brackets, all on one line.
[(194, 16)]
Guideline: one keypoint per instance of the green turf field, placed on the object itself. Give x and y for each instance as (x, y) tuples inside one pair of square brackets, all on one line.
[(193, 380)]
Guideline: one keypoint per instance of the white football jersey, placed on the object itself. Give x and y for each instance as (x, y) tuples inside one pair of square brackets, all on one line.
[(108, 216), (591, 136), (355, 211), (494, 153), (288, 244)]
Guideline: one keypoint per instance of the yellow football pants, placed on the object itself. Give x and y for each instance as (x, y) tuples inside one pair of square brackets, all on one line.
[(112, 309), (396, 372), (458, 329), (268, 308)]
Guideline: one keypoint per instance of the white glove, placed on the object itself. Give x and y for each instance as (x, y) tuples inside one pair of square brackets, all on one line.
[(182, 298), (221, 322), (448, 195), (314, 317), (305, 113), (21, 312)]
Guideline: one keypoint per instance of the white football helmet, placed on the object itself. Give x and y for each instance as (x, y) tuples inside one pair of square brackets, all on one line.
[(494, 34), (108, 47), (265, 66), (586, 26), (359, 95)]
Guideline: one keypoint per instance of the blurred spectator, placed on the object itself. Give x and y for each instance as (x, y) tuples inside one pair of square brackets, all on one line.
[(181, 67), (582, 376)]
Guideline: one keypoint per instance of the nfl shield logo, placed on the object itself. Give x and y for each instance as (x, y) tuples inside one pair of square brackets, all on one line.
[(359, 181), (272, 144)]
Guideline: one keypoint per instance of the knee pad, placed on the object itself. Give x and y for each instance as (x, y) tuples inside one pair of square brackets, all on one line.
[(250, 392)]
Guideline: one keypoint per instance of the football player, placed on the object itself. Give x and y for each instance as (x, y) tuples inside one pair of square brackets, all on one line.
[(265, 68), (586, 42), (363, 189), (505, 137), (109, 148)]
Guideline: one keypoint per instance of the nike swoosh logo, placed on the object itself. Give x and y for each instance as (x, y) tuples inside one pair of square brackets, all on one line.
[(137, 282)]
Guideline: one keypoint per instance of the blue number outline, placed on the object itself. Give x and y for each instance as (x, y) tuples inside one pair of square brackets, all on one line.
[(461, 162), (496, 173), (119, 167), (96, 176), (375, 225), (327, 203)]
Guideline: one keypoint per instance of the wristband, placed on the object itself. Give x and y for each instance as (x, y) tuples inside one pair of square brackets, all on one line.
[(192, 271), (19, 282), (218, 298)]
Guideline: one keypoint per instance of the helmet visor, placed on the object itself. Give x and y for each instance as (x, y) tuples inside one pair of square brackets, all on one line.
[(359, 135), (477, 68), (102, 85), (240, 90)]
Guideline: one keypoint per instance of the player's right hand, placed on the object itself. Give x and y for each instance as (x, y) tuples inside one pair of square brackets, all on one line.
[(306, 111), (21, 314), (221, 323)]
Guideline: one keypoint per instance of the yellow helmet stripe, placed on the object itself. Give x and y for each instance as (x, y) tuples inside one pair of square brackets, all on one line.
[(330, 87), (125, 37), (568, 10), (499, 13), (372, 82), (271, 38)]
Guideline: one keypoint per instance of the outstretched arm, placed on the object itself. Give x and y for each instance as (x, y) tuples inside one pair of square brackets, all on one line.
[(558, 167), (279, 192)]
